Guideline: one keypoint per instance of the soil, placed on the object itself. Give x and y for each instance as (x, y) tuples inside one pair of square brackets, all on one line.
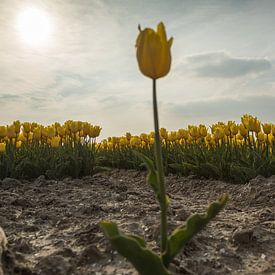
[(52, 226)]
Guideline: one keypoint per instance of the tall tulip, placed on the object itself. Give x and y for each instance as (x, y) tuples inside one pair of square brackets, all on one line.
[(154, 61), (153, 52)]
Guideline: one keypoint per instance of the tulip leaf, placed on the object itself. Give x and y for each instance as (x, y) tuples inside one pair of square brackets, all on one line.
[(133, 249), (195, 223), (152, 177)]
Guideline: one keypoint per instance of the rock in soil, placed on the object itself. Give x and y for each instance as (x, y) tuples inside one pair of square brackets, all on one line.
[(52, 227)]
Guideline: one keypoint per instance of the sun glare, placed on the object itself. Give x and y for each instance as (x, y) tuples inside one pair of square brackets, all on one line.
[(35, 27)]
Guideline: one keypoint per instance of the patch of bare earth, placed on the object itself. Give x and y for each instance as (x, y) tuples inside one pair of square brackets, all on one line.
[(52, 226)]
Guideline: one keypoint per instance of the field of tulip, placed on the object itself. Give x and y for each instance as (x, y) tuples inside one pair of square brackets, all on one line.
[(28, 150), (228, 151), (81, 208)]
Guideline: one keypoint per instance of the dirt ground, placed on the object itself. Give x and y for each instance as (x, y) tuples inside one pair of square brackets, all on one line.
[(52, 226)]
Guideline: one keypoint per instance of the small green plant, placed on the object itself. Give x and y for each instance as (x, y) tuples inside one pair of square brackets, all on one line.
[(154, 58)]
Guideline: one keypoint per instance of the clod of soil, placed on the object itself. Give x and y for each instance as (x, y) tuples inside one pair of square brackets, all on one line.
[(52, 226)]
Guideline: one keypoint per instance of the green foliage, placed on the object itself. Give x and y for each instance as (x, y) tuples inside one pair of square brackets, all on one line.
[(235, 163), (134, 250), (133, 247), (152, 176), (33, 160), (194, 224)]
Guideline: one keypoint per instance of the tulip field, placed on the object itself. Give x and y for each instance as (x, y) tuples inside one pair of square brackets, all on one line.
[(230, 151), (28, 150), (60, 181), (74, 203)]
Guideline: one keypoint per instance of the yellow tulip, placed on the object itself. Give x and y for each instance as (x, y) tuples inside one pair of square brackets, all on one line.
[(94, 131), (243, 130), (18, 144), (2, 147), (33, 125), (27, 127), (135, 141), (55, 141), (11, 131), (74, 126), (144, 137), (182, 133), (61, 130), (172, 136), (256, 126), (17, 125), (44, 132), (152, 134), (123, 141), (234, 129), (153, 52), (219, 133), (163, 133), (3, 131), (202, 130), (128, 136), (50, 131), (271, 139), (260, 137), (86, 128), (22, 137), (239, 137), (208, 138), (227, 131), (193, 131), (37, 133), (267, 128), (30, 136)]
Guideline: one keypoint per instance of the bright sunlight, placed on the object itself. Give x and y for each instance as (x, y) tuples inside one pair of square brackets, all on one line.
[(35, 27)]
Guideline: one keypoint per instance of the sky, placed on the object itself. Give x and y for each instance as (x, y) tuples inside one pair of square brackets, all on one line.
[(223, 63)]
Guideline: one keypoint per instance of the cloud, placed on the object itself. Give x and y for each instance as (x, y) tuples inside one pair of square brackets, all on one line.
[(222, 65), (224, 108)]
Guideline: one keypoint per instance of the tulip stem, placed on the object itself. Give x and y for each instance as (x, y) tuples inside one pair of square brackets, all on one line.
[(160, 173)]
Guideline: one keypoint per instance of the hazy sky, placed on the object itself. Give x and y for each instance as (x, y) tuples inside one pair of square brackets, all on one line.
[(223, 63)]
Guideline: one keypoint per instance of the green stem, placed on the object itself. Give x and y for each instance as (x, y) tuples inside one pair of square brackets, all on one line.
[(160, 173)]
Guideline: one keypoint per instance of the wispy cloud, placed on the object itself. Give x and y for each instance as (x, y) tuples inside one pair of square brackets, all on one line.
[(208, 111), (222, 65)]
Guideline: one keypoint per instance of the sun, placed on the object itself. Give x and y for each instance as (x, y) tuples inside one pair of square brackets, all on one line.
[(35, 27)]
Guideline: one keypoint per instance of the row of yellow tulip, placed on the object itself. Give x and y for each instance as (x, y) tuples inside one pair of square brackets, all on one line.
[(249, 130), (54, 135)]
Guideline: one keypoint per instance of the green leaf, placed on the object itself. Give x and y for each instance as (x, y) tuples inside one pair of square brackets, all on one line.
[(181, 235), (152, 177), (133, 249)]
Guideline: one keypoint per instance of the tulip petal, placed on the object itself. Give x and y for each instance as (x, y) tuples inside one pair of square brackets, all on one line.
[(161, 32), (170, 42)]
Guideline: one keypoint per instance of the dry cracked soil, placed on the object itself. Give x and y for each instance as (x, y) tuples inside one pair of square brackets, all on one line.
[(52, 227)]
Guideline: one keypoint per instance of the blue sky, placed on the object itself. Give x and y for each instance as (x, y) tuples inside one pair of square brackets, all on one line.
[(223, 63)]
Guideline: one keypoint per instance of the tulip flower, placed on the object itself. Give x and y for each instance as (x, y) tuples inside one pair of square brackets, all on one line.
[(153, 52), (94, 131), (2, 147), (55, 141), (11, 131), (267, 128), (27, 127), (17, 125), (3, 131)]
